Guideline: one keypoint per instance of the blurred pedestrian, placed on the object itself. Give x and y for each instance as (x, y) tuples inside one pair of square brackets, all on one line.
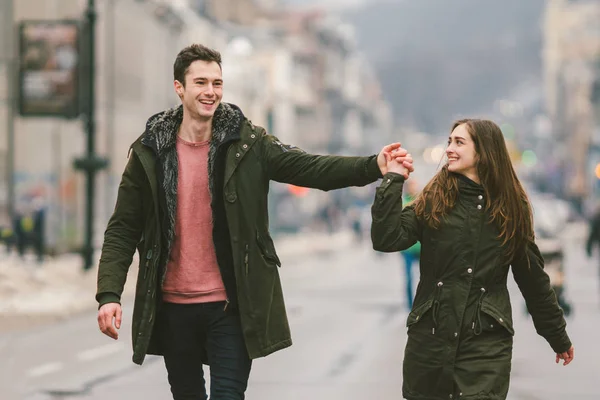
[(473, 220), (193, 201), (594, 235)]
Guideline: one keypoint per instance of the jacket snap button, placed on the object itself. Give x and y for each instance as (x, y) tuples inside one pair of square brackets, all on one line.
[(469, 270), (417, 318), (480, 197), (479, 206), (237, 155), (500, 320), (245, 146), (389, 180), (253, 136), (231, 197), (440, 284)]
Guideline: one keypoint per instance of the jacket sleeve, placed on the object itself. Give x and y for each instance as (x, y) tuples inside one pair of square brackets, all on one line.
[(393, 228), (534, 284), (122, 234), (289, 164)]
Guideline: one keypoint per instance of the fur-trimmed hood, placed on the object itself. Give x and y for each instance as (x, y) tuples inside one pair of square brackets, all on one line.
[(161, 128)]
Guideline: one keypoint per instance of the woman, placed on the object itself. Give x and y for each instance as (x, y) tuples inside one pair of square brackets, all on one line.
[(473, 220)]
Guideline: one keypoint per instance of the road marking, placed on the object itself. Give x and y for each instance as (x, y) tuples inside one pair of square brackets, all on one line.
[(98, 352), (45, 369)]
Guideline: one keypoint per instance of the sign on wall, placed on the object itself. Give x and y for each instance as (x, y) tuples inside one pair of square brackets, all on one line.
[(49, 69)]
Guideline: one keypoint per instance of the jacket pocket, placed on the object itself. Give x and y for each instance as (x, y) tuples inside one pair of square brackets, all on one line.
[(418, 312), (501, 319), (267, 248)]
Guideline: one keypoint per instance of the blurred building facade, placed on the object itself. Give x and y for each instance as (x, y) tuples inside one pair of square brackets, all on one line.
[(572, 86), (298, 74)]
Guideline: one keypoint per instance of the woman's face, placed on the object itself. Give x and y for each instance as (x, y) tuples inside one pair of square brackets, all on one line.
[(462, 158)]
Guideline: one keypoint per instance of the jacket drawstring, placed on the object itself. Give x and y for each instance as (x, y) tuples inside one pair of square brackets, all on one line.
[(436, 305), (477, 326)]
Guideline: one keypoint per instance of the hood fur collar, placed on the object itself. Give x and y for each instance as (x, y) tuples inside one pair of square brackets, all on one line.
[(161, 128)]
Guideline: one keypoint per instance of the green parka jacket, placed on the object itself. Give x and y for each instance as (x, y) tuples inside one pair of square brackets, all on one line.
[(242, 161), (460, 331)]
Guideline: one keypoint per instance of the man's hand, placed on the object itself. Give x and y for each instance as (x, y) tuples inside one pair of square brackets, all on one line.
[(106, 314), (394, 151), (401, 165), (567, 356)]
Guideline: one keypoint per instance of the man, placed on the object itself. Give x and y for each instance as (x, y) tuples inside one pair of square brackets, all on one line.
[(193, 201)]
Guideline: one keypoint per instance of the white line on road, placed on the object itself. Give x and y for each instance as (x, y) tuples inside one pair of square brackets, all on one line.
[(98, 352), (45, 369)]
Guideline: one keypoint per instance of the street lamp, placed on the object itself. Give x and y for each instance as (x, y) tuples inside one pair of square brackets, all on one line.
[(91, 163)]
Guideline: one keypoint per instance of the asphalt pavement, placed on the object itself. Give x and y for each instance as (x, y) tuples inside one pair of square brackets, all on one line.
[(347, 315)]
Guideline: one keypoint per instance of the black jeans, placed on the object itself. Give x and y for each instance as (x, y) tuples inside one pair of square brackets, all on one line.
[(191, 331)]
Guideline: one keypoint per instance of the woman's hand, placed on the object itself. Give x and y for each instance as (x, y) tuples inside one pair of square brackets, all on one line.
[(394, 151), (400, 162), (567, 356)]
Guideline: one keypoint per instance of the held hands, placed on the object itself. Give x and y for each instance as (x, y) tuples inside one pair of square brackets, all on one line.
[(106, 314), (567, 356), (393, 158)]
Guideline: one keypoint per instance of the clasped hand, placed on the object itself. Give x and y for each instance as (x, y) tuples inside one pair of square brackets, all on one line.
[(394, 158)]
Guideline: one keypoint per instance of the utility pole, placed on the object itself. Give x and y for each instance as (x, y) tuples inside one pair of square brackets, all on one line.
[(9, 62), (91, 163)]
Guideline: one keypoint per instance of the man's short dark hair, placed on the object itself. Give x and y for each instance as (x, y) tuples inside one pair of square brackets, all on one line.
[(188, 55)]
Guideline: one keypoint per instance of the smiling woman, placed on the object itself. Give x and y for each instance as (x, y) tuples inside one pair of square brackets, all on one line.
[(474, 223)]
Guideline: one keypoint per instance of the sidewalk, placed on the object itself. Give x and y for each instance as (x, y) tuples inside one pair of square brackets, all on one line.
[(32, 293)]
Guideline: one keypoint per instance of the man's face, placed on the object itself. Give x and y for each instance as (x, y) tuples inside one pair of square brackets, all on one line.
[(203, 89)]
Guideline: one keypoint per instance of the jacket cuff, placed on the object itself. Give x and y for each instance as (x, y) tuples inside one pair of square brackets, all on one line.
[(372, 169), (107, 297), (561, 344)]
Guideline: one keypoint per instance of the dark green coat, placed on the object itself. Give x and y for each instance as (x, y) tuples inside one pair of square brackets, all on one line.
[(460, 331), (242, 161)]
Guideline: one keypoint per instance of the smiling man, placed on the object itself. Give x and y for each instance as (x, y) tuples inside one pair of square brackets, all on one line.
[(193, 201)]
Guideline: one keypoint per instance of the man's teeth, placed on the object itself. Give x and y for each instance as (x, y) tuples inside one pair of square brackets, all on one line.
[(207, 102)]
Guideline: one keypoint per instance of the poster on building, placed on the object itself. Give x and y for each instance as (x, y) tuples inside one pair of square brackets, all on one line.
[(48, 69)]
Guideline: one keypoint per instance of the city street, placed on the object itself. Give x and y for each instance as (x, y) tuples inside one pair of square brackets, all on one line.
[(347, 316)]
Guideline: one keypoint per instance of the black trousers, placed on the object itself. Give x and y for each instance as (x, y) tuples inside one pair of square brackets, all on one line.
[(190, 331)]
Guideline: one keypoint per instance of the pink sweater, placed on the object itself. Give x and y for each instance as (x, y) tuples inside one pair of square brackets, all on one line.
[(193, 274)]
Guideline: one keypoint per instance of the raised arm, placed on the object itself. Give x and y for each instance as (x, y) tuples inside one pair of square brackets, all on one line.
[(289, 164)]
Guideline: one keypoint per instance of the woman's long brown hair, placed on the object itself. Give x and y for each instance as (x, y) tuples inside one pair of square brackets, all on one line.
[(505, 197)]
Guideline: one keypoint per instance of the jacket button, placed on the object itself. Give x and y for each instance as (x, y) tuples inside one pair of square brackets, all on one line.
[(470, 270), (479, 206), (237, 155), (231, 197), (253, 136), (245, 146), (500, 320), (455, 334), (480, 197)]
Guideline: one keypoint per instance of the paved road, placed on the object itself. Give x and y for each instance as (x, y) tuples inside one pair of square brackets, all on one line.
[(347, 317)]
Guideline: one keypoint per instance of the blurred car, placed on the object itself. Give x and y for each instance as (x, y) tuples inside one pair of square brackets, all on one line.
[(550, 215)]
